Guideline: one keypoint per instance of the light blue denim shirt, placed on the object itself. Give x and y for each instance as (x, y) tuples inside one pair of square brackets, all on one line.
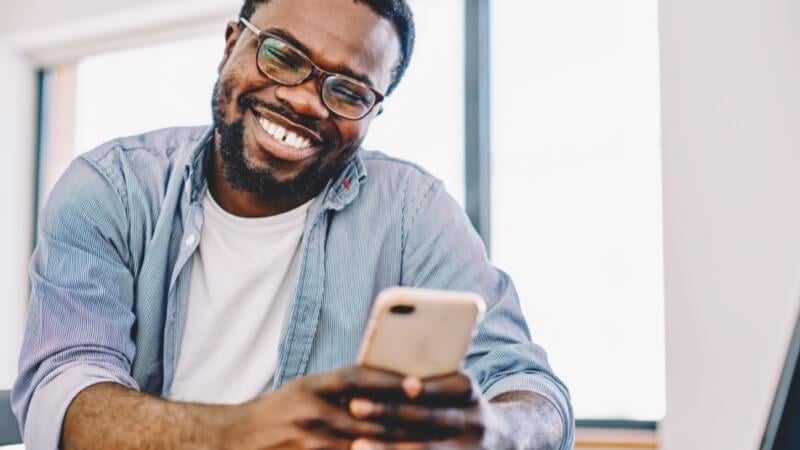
[(110, 276)]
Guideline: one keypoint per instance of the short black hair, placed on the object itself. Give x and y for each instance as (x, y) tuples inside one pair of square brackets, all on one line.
[(397, 11)]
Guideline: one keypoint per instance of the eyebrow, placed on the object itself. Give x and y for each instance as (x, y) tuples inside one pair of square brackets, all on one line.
[(339, 69)]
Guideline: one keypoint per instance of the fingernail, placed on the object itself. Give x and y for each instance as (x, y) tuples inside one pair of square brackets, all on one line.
[(361, 444), (360, 407), (413, 387)]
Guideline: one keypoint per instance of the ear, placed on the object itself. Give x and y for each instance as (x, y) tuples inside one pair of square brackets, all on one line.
[(232, 33)]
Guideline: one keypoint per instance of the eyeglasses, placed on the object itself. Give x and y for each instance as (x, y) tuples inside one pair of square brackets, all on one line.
[(281, 62)]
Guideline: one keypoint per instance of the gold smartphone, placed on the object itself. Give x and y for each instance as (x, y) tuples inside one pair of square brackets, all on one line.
[(420, 332)]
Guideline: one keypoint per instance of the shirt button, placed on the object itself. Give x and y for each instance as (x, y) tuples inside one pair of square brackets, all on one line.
[(191, 240)]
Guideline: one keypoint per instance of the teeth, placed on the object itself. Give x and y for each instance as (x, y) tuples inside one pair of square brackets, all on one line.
[(280, 133)]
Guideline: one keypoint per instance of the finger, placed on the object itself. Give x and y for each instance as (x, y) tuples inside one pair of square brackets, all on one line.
[(352, 381), (449, 390), (361, 408), (457, 384), (324, 417), (410, 423), (365, 444), (412, 386), (450, 421), (320, 442)]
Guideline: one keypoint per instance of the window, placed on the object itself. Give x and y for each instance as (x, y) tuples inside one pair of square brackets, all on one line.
[(424, 119), (576, 197), (142, 89)]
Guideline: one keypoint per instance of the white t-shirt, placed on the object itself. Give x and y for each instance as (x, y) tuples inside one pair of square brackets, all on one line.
[(243, 278)]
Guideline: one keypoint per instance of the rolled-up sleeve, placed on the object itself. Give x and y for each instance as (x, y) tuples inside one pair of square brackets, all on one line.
[(442, 250), (80, 316)]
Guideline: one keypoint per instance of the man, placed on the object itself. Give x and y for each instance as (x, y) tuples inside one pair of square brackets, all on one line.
[(209, 289)]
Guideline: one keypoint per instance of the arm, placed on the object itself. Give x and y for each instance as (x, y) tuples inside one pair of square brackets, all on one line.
[(442, 250), (75, 385), (109, 415), (79, 325), (516, 411), (304, 413)]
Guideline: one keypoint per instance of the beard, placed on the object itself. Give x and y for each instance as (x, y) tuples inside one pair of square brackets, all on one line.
[(261, 182)]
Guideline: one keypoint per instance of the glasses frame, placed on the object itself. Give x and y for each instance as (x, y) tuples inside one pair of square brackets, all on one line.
[(320, 74)]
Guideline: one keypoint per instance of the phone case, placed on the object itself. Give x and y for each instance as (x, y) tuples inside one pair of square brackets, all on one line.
[(420, 332)]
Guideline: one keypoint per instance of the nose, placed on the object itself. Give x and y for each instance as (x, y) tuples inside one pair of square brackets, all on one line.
[(304, 99)]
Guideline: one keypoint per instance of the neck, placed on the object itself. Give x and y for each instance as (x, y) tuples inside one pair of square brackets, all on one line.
[(240, 203)]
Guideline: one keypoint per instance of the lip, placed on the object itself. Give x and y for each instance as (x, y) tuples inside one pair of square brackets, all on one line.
[(277, 148)]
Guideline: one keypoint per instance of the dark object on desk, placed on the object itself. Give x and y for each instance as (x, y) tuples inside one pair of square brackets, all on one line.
[(9, 432), (783, 428)]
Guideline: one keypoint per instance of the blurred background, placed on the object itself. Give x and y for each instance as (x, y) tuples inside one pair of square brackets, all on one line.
[(629, 163)]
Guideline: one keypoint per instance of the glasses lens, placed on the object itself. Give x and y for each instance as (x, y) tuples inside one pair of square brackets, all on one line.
[(346, 98), (282, 63)]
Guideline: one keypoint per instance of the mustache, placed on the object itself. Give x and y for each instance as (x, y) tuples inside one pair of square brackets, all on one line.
[(249, 102)]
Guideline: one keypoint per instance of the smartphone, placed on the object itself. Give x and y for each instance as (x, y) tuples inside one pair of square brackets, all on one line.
[(420, 332)]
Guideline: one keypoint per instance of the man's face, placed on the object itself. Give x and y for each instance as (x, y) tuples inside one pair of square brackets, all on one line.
[(341, 36)]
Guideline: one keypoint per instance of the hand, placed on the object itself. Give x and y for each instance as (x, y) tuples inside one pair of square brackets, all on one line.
[(309, 413), (441, 413)]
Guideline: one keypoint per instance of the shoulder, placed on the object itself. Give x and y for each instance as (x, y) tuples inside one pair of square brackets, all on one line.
[(155, 147), (102, 180), (144, 162), (380, 162), (391, 175), (404, 191)]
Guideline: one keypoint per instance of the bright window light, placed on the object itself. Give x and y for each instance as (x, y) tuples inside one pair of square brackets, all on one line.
[(576, 192), (136, 90), (424, 119)]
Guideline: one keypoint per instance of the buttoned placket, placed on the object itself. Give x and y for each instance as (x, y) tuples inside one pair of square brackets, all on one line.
[(191, 211), (299, 331)]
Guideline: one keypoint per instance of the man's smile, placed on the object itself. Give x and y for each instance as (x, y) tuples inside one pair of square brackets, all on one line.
[(283, 138)]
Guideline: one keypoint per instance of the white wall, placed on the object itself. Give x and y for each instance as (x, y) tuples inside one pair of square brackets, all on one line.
[(731, 166), (17, 119), (21, 14)]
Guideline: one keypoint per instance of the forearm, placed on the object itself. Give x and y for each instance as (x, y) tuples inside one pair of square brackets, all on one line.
[(108, 415), (527, 421)]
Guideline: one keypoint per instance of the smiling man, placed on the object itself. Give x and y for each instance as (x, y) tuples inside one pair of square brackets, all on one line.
[(208, 288)]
